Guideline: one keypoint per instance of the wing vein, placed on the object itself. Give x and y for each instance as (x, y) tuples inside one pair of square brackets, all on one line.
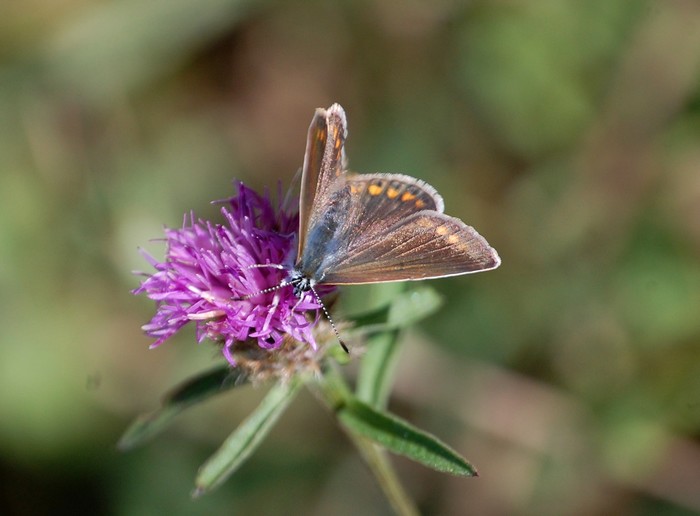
[(373, 245)]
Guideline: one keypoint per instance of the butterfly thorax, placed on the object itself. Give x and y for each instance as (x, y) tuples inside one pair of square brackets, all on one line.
[(323, 245)]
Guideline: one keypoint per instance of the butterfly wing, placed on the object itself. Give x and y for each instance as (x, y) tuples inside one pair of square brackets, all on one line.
[(425, 245), (323, 164), (389, 236), (386, 198)]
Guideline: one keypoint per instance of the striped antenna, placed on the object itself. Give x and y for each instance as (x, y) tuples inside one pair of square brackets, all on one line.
[(286, 283), (328, 316)]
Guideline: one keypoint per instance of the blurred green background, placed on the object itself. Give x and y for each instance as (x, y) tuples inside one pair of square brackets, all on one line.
[(566, 132)]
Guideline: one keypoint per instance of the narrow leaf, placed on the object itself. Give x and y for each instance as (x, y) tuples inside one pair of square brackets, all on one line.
[(246, 438), (378, 364), (405, 309), (376, 372), (194, 390), (402, 438)]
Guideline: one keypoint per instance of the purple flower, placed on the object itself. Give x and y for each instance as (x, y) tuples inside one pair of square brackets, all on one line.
[(207, 269)]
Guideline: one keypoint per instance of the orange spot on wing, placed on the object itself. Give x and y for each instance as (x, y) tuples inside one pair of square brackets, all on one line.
[(407, 196), (392, 193), (374, 189), (420, 204)]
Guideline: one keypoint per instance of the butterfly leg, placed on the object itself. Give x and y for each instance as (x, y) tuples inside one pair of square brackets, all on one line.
[(296, 305)]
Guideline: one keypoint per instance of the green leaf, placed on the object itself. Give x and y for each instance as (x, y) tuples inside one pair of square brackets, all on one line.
[(378, 364), (194, 390), (404, 310), (400, 437), (246, 438), (374, 379)]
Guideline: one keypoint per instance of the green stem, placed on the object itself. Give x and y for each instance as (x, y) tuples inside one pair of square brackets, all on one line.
[(333, 391)]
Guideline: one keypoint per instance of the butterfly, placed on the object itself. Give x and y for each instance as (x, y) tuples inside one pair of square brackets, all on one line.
[(372, 228)]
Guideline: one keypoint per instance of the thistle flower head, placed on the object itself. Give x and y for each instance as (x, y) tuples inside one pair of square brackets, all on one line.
[(208, 268)]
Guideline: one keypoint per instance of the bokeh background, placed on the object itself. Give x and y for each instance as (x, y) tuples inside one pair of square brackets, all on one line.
[(567, 132)]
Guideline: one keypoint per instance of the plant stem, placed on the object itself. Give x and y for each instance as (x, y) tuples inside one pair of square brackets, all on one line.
[(332, 390)]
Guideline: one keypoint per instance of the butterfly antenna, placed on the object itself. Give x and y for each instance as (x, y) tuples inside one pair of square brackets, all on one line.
[(284, 284), (265, 290), (259, 292), (328, 316)]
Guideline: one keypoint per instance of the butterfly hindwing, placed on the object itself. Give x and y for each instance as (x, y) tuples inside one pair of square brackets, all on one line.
[(386, 199)]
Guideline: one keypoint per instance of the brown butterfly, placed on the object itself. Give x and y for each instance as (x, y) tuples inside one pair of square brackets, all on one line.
[(373, 228)]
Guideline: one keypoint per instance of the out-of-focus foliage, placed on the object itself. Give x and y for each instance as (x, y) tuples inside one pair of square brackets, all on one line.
[(568, 133)]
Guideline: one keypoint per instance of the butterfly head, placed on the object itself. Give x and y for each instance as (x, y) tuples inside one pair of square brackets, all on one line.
[(300, 282)]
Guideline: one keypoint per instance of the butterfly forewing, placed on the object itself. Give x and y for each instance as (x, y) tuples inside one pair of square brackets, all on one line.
[(323, 165), (425, 245), (315, 145)]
